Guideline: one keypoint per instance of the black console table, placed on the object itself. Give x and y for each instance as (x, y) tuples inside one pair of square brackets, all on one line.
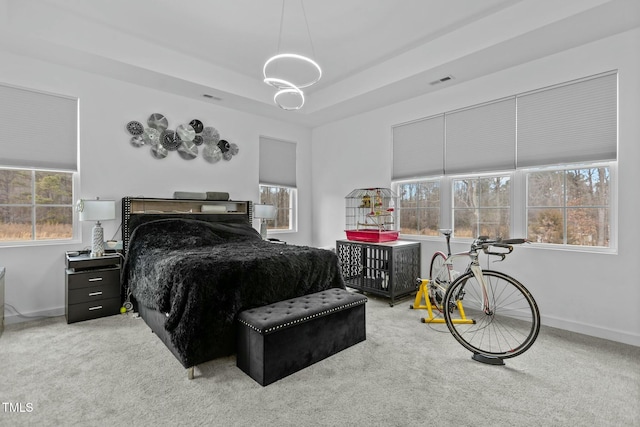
[(388, 269)]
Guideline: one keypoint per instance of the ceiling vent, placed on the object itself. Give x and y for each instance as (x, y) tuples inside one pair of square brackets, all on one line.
[(441, 80), (215, 98)]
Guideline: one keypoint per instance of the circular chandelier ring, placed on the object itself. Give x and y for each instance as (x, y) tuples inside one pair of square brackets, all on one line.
[(279, 83), (297, 57), (292, 90)]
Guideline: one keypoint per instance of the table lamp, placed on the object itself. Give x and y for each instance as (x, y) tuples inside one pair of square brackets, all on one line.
[(96, 210), (264, 213)]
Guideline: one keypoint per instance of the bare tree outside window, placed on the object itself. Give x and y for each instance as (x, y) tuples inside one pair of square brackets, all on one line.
[(35, 205), (569, 206), (419, 209), (482, 207), (281, 198)]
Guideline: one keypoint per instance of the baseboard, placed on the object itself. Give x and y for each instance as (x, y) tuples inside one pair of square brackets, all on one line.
[(12, 318), (593, 330)]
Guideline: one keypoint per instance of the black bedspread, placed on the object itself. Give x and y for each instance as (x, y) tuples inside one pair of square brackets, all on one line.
[(203, 274)]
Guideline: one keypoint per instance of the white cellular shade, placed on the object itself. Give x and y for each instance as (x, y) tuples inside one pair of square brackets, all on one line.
[(418, 148), (481, 138), (575, 122), (277, 162), (38, 130)]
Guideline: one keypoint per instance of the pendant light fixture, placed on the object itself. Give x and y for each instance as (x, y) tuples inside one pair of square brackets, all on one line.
[(288, 73)]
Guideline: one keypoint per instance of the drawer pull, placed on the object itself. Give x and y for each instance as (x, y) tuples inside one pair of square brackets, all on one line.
[(95, 279), (93, 294), (97, 307)]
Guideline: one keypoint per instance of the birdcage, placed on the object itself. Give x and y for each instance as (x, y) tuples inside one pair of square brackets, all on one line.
[(371, 215)]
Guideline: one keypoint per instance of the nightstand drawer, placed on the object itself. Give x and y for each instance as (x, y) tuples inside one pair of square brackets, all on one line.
[(93, 293), (91, 278), (92, 310)]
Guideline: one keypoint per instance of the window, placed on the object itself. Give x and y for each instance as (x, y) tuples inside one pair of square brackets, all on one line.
[(277, 176), (35, 205), (283, 199), (419, 209), (569, 206), (482, 207), (39, 147), (537, 163)]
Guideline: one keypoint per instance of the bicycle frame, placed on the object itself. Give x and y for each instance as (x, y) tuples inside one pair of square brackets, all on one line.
[(473, 266)]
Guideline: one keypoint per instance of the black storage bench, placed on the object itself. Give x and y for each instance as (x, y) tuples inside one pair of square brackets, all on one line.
[(282, 338)]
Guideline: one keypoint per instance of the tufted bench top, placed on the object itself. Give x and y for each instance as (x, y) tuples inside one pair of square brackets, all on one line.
[(287, 313)]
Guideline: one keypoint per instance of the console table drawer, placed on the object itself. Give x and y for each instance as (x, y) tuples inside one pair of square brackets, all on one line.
[(84, 279)]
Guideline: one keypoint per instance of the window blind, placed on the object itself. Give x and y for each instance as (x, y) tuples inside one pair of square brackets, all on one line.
[(418, 148), (38, 130), (481, 138), (571, 123), (277, 162)]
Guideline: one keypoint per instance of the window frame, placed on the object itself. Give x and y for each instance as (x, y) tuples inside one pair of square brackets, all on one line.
[(519, 204), (396, 189), (293, 208), (477, 176), (75, 229), (523, 223)]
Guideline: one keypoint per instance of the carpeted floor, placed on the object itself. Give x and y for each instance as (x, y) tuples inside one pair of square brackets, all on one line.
[(113, 371)]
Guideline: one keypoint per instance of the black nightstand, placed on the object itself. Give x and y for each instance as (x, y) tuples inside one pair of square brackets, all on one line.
[(92, 286)]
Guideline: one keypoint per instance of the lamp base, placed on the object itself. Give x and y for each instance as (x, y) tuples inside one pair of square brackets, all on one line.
[(263, 229), (97, 241)]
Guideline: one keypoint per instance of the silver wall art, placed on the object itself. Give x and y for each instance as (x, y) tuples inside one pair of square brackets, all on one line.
[(187, 139)]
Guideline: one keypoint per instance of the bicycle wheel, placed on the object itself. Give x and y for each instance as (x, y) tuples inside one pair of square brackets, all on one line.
[(506, 329), (438, 275)]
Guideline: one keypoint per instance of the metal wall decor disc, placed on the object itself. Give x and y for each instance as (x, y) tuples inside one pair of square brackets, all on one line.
[(211, 153), (135, 128), (188, 150), (158, 151), (197, 125), (169, 140), (137, 141), (186, 132), (224, 145), (151, 136), (158, 121), (211, 135)]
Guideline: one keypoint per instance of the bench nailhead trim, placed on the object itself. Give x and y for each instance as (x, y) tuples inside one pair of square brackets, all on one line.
[(293, 322)]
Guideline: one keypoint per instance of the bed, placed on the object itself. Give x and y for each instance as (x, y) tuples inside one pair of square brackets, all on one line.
[(190, 266)]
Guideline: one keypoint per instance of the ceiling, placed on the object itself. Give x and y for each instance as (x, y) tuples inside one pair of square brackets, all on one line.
[(372, 52)]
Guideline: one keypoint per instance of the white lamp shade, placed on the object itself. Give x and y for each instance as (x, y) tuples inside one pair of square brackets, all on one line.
[(97, 210), (265, 211)]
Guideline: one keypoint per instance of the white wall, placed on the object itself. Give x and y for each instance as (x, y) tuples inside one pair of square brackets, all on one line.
[(590, 293), (111, 168), (596, 294)]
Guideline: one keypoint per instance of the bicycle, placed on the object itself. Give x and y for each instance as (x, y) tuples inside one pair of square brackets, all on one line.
[(504, 317)]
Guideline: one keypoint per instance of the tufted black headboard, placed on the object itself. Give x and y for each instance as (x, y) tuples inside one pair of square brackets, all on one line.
[(138, 210)]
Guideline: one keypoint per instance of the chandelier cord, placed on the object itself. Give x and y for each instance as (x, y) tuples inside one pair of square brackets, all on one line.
[(281, 26), (313, 51)]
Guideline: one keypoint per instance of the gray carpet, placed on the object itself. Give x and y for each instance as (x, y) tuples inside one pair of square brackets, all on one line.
[(114, 370)]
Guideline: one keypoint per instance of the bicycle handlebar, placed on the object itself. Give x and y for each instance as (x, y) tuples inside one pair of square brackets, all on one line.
[(484, 243)]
